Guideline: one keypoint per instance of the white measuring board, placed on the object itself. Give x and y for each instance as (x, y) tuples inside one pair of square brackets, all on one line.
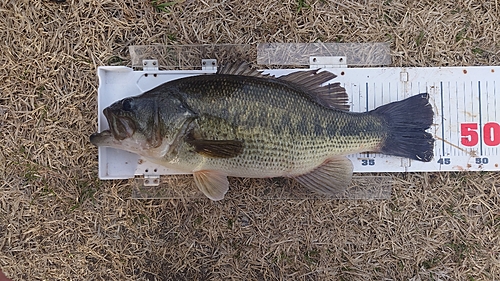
[(464, 99)]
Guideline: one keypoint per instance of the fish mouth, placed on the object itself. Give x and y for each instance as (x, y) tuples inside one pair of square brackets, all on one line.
[(102, 139), (121, 127)]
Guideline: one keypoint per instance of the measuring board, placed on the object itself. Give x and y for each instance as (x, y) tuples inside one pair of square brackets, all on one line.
[(466, 123)]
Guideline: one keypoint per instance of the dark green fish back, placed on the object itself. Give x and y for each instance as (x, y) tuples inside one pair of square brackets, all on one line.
[(251, 102)]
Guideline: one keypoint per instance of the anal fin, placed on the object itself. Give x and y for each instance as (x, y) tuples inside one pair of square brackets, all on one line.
[(330, 178), (213, 184)]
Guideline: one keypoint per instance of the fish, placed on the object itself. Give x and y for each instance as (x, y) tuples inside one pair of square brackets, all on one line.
[(239, 122)]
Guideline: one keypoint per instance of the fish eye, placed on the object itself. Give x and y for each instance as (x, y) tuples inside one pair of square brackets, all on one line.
[(127, 104)]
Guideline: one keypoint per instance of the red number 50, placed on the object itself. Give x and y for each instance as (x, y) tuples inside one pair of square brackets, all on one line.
[(470, 137)]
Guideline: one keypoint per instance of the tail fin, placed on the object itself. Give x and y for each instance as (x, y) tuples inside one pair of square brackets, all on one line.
[(407, 121)]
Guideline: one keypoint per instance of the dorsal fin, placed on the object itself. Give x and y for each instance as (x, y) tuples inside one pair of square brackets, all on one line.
[(310, 82), (241, 68), (331, 95)]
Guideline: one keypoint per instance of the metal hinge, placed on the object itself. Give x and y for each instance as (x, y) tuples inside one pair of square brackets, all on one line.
[(150, 65), (327, 62), (151, 180), (209, 64)]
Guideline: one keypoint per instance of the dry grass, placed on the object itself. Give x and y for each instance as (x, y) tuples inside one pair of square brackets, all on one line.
[(59, 222)]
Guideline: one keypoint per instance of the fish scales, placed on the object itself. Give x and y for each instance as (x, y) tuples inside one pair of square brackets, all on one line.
[(240, 123), (284, 132)]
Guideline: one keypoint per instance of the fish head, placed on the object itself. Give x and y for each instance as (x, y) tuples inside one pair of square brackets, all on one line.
[(143, 124)]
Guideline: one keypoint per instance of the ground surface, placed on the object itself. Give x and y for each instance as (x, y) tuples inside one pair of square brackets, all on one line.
[(58, 221)]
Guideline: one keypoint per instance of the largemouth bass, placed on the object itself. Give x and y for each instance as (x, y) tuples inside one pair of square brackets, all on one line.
[(240, 123)]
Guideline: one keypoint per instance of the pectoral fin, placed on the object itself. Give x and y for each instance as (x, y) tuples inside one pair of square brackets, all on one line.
[(212, 183), (217, 148), (331, 178), (214, 137)]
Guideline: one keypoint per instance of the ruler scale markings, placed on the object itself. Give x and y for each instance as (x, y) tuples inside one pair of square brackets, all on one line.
[(408, 89), (464, 102), (397, 91), (374, 96), (484, 110), (458, 117), (495, 94), (405, 93), (360, 105), (469, 102), (494, 109), (361, 97), (442, 119), (490, 112), (480, 118), (493, 112), (354, 97), (382, 93), (452, 89), (356, 100), (367, 154), (367, 97), (445, 125), (350, 98), (434, 102), (467, 93), (469, 99), (459, 100)]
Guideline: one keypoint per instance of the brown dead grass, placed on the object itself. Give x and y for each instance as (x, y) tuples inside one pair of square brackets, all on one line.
[(59, 222)]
